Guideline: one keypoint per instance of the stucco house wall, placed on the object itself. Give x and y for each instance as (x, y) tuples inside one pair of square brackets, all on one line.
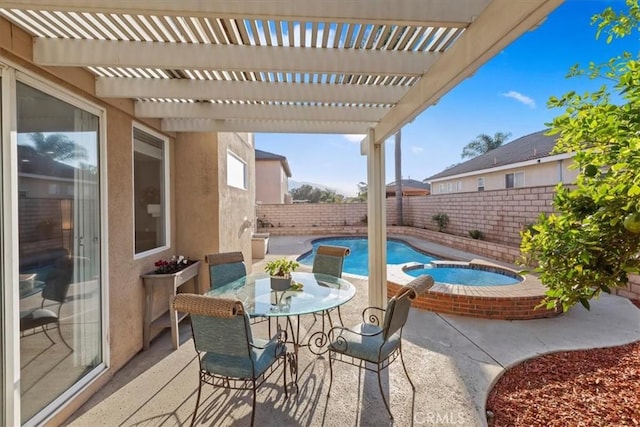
[(271, 185), (200, 218), (535, 175)]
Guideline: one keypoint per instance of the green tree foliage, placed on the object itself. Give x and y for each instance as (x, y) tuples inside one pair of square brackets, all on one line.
[(484, 143), (362, 192), (591, 244), (315, 195)]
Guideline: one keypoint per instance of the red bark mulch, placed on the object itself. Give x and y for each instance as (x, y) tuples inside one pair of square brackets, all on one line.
[(596, 387)]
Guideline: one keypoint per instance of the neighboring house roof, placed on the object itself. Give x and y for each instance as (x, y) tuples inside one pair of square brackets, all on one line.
[(33, 162), (265, 155), (529, 147), (410, 186), (410, 183)]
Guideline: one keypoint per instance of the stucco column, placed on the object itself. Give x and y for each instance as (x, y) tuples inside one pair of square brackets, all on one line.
[(377, 226)]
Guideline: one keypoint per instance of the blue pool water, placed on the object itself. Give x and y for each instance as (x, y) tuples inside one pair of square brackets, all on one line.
[(464, 276), (399, 252), (358, 261)]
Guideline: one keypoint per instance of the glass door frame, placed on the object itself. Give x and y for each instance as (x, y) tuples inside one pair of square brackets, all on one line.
[(10, 74)]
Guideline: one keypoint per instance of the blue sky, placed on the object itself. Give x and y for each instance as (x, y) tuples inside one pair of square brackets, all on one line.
[(508, 94)]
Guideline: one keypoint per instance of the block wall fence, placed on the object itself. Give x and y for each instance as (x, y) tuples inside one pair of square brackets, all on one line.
[(500, 215)]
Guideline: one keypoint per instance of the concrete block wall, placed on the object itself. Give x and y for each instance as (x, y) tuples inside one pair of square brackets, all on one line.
[(310, 215), (500, 214), (632, 290)]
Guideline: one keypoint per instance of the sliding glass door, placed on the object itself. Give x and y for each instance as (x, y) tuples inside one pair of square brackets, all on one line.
[(59, 246)]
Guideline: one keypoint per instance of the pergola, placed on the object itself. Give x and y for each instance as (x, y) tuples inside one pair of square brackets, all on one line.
[(288, 66)]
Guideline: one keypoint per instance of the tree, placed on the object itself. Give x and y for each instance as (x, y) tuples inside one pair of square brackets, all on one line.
[(362, 191), (484, 143), (315, 195), (398, 167), (57, 146), (592, 242)]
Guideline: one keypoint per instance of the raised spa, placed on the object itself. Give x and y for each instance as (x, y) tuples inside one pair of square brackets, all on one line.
[(476, 288)]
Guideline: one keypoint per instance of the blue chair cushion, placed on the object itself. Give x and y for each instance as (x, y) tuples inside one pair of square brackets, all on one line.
[(358, 344), (240, 367)]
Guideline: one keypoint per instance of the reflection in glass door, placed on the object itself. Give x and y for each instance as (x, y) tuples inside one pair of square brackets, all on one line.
[(59, 246), (3, 401)]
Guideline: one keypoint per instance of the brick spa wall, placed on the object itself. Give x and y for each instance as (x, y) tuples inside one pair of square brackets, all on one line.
[(506, 308)]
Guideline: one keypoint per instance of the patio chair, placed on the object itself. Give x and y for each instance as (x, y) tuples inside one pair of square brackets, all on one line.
[(329, 260), (225, 267), (55, 289), (374, 347), (228, 354)]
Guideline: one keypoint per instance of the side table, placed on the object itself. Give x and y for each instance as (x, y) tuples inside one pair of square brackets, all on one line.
[(170, 318)]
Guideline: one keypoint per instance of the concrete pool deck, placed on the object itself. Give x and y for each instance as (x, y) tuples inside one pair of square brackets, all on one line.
[(452, 360)]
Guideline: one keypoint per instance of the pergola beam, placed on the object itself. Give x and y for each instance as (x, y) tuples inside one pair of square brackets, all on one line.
[(117, 87), (184, 56), (401, 12), (496, 28), (258, 112), (264, 126)]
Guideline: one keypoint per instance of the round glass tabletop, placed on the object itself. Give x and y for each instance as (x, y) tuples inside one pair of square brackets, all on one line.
[(319, 292)]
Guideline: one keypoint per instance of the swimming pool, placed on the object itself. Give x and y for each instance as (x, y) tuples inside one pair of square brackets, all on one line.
[(357, 262), (399, 252)]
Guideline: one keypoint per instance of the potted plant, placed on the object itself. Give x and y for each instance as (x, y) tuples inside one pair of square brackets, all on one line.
[(280, 271)]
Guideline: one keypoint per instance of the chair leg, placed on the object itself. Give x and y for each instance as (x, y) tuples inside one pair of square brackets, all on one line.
[(405, 369), (284, 382), (384, 399), (253, 407), (44, 329), (330, 375), (195, 411), (62, 338)]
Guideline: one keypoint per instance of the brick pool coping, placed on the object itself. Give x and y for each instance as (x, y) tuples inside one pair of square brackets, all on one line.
[(506, 302)]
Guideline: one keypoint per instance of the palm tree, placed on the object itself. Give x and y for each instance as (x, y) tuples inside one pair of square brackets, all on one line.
[(484, 143), (398, 164)]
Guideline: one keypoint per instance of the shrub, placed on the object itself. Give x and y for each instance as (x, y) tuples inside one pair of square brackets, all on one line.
[(476, 234), (442, 219)]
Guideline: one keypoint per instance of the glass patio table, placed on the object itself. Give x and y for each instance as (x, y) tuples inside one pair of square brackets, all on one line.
[(319, 293)]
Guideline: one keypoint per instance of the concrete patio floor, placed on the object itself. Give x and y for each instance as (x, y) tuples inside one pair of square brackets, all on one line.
[(452, 360)]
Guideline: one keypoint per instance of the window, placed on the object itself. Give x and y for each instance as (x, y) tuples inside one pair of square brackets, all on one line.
[(481, 184), (149, 191), (514, 180), (236, 171), (458, 186)]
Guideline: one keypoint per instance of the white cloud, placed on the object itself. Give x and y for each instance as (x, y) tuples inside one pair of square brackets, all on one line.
[(520, 98), (415, 149), (355, 138)]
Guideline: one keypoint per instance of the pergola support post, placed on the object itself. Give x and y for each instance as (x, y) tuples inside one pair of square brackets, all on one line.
[(376, 225)]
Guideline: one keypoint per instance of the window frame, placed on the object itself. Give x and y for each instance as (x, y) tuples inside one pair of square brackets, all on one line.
[(11, 74), (515, 180), (245, 171), (479, 186), (166, 190)]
